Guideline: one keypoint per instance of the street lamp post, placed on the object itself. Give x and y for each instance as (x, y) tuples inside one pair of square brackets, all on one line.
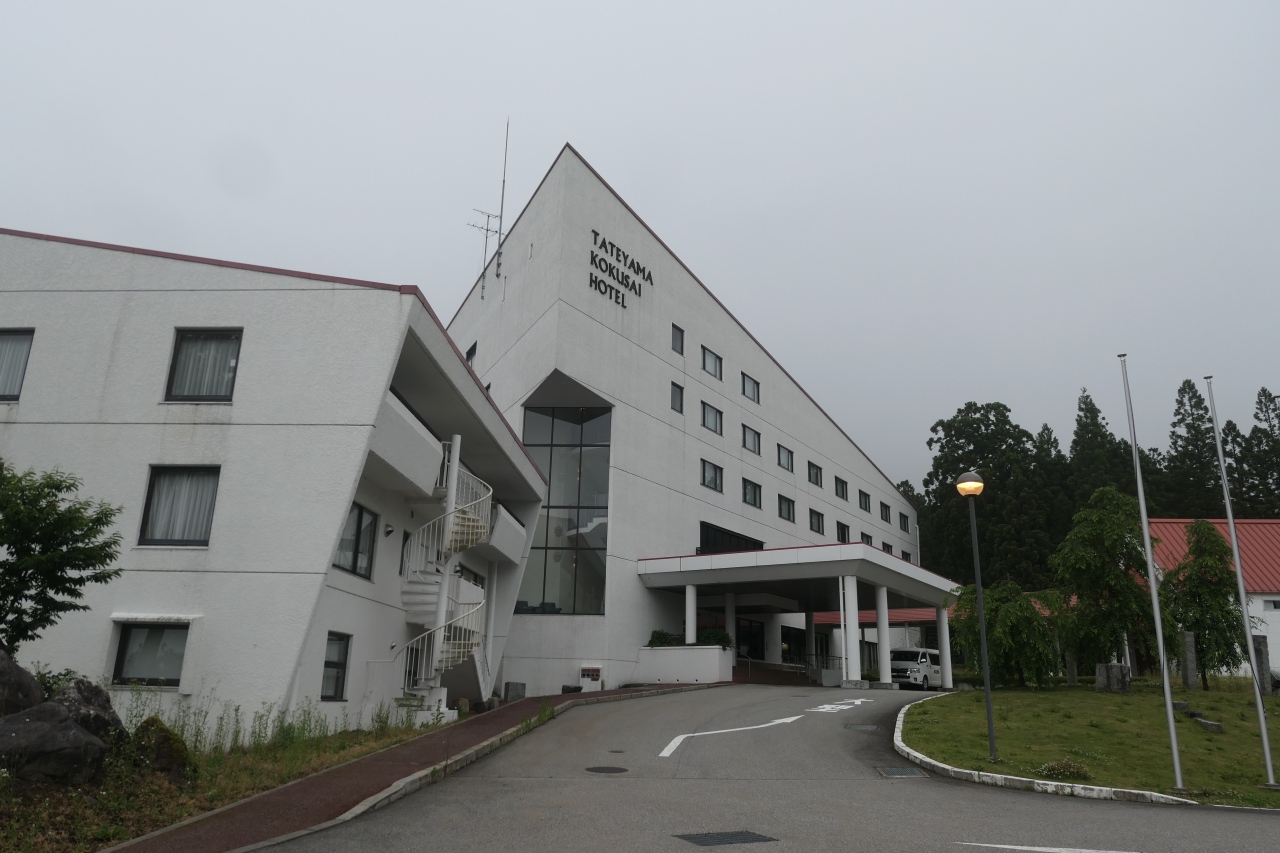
[(970, 486)]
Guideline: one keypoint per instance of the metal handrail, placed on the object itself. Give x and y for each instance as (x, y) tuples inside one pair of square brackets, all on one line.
[(460, 630), (466, 525)]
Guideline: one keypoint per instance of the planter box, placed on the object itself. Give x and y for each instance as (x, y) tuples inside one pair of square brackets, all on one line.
[(683, 665)]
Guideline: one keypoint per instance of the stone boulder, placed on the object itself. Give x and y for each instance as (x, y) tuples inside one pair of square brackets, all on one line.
[(1111, 678), (90, 708), (42, 744), (162, 750), (19, 689)]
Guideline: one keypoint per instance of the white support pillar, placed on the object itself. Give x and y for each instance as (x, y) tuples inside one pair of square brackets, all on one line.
[(853, 635), (944, 646), (690, 614), (490, 610), (731, 619), (882, 634)]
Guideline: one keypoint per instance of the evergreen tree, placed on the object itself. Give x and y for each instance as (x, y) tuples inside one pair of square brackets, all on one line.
[(1098, 458), (1200, 593), (1253, 460), (1191, 481)]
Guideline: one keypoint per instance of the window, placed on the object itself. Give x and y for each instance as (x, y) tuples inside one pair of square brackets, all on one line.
[(864, 501), (1271, 604), (842, 489), (355, 548), (886, 512), (677, 339), (867, 540), (677, 398), (150, 654), (750, 388), (786, 459), (815, 474), (712, 418), (751, 439), (904, 523), (712, 476), (471, 353), (15, 346), (712, 363), (751, 493), (842, 532), (203, 369), (179, 507), (336, 649), (816, 522), (717, 540), (906, 555), (886, 547), (566, 568), (786, 509)]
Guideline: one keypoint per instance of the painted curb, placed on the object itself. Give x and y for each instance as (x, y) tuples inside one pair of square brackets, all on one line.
[(1090, 792)]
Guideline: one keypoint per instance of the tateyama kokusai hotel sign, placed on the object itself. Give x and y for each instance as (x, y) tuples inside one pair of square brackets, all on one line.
[(614, 273)]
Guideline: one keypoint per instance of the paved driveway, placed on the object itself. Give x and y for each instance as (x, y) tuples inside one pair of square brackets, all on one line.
[(812, 784)]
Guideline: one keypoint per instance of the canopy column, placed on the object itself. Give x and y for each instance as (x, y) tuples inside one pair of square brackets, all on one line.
[(690, 614), (882, 634), (852, 634), (944, 646)]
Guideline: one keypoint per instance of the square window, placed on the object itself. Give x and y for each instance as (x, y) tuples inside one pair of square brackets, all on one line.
[(1271, 604), (906, 555), (712, 418), (677, 339), (712, 476), (336, 649), (179, 506), (355, 547), (786, 509), (750, 388), (751, 493), (471, 353), (712, 363), (815, 475), (786, 459), (886, 512), (867, 540), (842, 489), (751, 439), (15, 347), (886, 547), (677, 398), (842, 532), (203, 369), (816, 522), (904, 523), (150, 654), (864, 501)]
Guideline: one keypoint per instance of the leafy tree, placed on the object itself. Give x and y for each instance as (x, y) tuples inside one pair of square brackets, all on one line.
[(1200, 593), (1191, 487), (1100, 568), (1253, 460), (1022, 645), (52, 547)]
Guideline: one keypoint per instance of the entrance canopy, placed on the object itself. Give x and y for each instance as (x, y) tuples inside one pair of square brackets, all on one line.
[(804, 576)]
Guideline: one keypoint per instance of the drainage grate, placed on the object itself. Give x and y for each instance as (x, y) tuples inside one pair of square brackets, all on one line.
[(902, 772), (717, 839), (606, 770), (861, 727)]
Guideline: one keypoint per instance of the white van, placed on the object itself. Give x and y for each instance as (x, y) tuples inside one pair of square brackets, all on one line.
[(920, 667)]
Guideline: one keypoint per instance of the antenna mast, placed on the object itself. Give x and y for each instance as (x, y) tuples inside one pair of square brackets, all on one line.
[(502, 201), (484, 259)]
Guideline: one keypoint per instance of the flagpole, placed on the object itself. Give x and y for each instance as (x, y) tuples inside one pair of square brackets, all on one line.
[(1151, 581), (1244, 601)]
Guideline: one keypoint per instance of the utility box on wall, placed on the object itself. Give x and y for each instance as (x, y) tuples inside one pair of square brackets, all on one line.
[(590, 677)]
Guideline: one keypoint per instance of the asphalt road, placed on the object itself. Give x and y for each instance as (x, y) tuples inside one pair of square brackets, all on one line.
[(811, 784)]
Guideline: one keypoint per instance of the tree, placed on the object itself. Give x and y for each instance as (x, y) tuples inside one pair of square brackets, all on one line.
[(1022, 646), (1098, 458), (1253, 460), (1191, 481), (1200, 593), (1099, 567), (52, 547)]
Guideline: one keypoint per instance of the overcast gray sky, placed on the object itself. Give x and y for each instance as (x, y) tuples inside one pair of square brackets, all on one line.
[(910, 205)]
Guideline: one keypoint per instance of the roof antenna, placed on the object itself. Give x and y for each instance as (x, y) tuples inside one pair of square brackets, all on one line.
[(484, 259), (488, 217), (502, 200)]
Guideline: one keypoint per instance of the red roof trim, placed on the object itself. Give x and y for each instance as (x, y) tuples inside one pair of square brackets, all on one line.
[(403, 289), (685, 267)]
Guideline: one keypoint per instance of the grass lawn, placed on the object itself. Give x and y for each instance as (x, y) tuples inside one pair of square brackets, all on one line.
[(1121, 740), (127, 803)]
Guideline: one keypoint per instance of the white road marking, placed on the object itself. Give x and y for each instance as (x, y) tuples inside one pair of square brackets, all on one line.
[(671, 747), (1041, 849), (840, 706)]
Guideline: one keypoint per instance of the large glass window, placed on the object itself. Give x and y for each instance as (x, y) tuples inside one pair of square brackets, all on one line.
[(179, 507), (904, 523), (150, 654), (815, 474), (786, 509), (712, 418), (750, 388), (677, 398), (336, 650), (566, 568), (204, 365), (677, 339), (15, 346), (886, 512), (842, 489), (712, 476), (751, 493), (355, 547), (786, 459), (842, 532), (864, 501), (750, 439), (816, 522), (712, 363)]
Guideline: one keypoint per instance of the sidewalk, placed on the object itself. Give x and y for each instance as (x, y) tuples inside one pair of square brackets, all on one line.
[(337, 792)]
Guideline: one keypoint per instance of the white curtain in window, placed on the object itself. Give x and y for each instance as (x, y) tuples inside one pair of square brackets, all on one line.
[(205, 365), (182, 505), (14, 348)]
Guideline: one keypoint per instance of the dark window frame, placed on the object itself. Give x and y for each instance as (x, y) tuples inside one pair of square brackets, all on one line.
[(719, 418), (906, 555), (815, 474), (146, 507), (718, 475), (170, 397), (886, 547), (787, 503), (843, 533), (677, 336), (123, 646), (341, 695), (817, 522), (747, 485), (886, 513), (867, 538), (677, 395), (791, 458), (864, 501), (355, 545), (26, 362), (748, 430), (718, 373), (842, 488), (470, 357), (904, 522), (754, 383)]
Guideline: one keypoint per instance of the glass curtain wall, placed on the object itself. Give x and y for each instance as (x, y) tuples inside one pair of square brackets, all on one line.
[(565, 573)]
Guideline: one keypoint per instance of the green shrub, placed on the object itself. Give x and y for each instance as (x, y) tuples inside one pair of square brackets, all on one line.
[(660, 637), (1063, 768), (715, 637)]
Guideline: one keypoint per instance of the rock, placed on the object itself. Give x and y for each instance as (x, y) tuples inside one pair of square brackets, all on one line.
[(571, 688), (1210, 725), (161, 749), (464, 705), (42, 744), (963, 686), (19, 689), (90, 708), (513, 691), (1111, 678)]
